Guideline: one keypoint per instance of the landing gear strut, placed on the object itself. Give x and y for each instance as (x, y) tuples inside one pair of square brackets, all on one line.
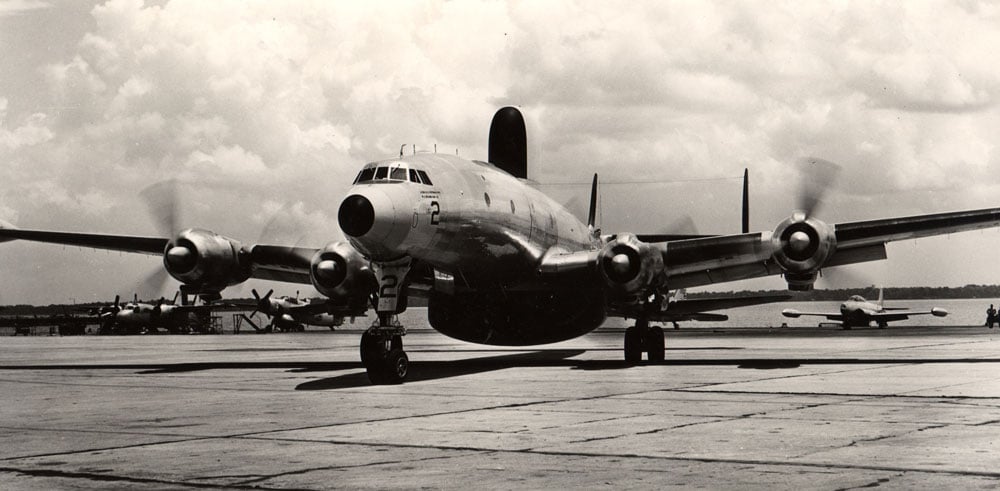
[(643, 337), (382, 344)]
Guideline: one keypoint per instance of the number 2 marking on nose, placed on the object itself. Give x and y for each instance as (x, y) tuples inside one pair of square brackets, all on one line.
[(435, 213)]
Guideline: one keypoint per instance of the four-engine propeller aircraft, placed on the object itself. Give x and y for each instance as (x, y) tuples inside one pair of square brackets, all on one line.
[(503, 263), (137, 317), (856, 311)]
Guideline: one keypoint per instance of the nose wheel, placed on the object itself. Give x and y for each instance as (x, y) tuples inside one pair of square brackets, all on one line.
[(383, 357)]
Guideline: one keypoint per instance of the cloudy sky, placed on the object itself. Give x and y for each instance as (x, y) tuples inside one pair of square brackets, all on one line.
[(263, 111)]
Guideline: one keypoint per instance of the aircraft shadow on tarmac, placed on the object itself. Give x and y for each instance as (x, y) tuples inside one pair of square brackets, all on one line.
[(434, 370)]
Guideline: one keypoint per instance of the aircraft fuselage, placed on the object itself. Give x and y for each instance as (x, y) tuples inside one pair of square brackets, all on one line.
[(484, 233)]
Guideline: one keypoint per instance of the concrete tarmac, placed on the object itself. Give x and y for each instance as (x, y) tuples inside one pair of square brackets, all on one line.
[(913, 408)]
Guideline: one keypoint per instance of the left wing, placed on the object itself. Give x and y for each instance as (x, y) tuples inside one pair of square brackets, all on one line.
[(800, 246)]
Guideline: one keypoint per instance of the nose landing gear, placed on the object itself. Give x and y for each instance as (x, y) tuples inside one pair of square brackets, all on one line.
[(382, 344), (382, 352)]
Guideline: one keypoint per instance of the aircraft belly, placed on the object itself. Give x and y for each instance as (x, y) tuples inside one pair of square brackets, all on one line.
[(501, 318)]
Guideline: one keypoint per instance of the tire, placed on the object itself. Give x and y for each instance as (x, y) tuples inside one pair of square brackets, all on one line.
[(396, 366), (654, 344), (633, 345), (372, 350)]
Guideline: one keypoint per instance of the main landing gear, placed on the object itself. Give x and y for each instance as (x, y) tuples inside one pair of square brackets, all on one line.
[(643, 337)]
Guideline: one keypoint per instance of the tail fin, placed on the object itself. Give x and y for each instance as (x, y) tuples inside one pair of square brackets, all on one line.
[(746, 201), (508, 145), (592, 213), (879, 301)]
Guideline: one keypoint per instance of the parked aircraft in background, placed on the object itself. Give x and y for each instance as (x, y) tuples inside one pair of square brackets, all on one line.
[(504, 264), (856, 312), (679, 308), (137, 317), (293, 314)]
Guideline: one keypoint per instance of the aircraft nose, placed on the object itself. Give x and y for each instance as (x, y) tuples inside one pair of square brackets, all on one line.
[(376, 221), (356, 215)]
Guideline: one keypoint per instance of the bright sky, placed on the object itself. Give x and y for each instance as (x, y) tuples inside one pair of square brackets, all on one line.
[(265, 110)]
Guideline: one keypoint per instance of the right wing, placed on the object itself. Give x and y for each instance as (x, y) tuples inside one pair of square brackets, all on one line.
[(228, 257)]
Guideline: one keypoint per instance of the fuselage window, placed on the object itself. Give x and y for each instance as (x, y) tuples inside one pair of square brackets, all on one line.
[(512, 206), (423, 177), (381, 173), (398, 174), (486, 197), (414, 177)]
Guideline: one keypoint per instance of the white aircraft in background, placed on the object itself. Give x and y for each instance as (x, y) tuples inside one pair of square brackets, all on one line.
[(857, 311), (504, 264)]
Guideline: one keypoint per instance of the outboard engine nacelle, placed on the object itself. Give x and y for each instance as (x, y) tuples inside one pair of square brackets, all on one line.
[(629, 265), (205, 259), (340, 272), (803, 245)]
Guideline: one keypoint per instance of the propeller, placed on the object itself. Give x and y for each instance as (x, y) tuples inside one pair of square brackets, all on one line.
[(263, 303), (161, 202), (818, 176)]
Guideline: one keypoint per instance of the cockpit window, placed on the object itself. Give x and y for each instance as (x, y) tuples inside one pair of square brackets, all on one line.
[(366, 174), (397, 172)]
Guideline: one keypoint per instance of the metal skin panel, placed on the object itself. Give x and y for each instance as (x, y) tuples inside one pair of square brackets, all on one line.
[(452, 227)]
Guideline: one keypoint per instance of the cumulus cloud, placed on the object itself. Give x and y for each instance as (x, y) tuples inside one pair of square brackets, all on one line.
[(254, 105)]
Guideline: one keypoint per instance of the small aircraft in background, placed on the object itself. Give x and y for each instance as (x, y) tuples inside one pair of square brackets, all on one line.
[(137, 317), (679, 308), (856, 311), (291, 314)]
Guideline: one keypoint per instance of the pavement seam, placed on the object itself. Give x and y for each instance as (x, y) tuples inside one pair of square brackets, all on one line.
[(530, 451), (91, 476)]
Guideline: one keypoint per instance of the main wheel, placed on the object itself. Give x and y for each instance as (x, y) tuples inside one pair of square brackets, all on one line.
[(633, 345), (654, 345)]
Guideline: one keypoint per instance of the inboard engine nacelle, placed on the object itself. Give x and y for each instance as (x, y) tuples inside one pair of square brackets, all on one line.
[(803, 244), (340, 272), (206, 259), (629, 265)]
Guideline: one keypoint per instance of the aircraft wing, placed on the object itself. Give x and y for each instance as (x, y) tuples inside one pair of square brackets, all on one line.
[(793, 313), (696, 308), (266, 262), (709, 260), (903, 315), (124, 243)]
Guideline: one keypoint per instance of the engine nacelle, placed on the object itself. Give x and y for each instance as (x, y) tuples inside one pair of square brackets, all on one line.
[(340, 272), (205, 259), (802, 246), (629, 265)]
